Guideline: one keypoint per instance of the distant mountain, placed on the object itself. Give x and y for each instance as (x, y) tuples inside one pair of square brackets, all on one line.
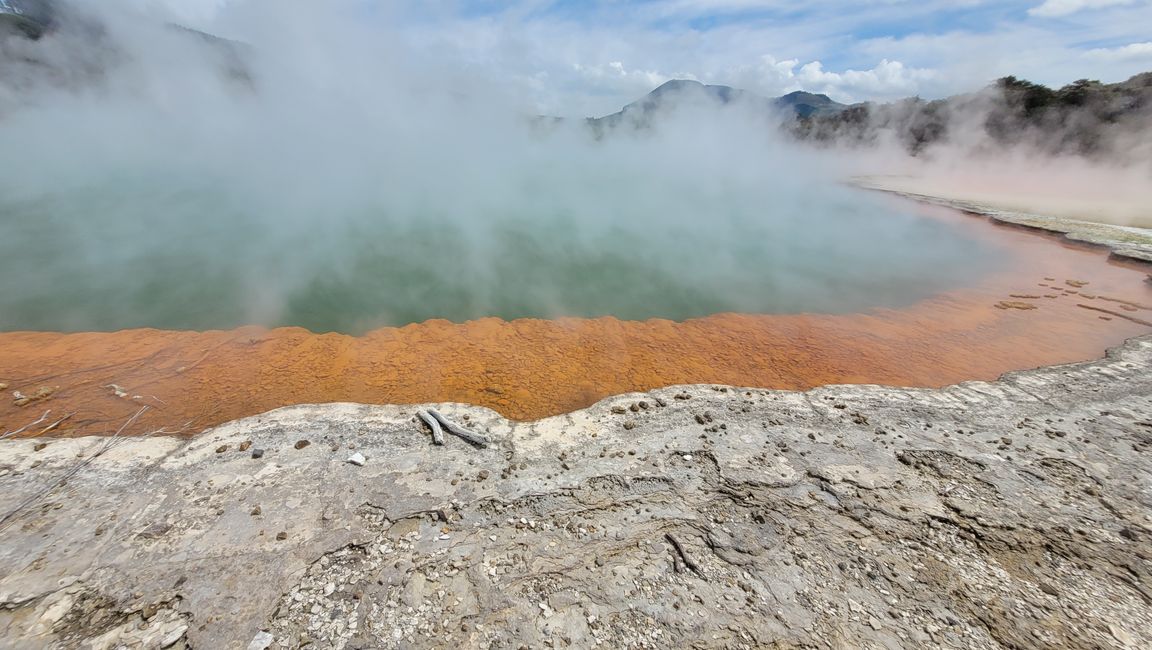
[(682, 92)]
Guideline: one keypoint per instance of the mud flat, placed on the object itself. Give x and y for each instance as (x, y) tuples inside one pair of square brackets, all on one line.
[(1011, 514)]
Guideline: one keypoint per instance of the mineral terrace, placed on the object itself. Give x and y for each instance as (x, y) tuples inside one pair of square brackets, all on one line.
[(1014, 514)]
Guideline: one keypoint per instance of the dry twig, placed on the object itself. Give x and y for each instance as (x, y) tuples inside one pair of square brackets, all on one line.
[(1136, 305), (1138, 321), (55, 424), (24, 428)]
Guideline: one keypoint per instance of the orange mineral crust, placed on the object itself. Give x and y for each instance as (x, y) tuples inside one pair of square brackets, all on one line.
[(1055, 303)]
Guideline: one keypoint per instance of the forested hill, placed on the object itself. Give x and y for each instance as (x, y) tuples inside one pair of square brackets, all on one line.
[(1085, 117)]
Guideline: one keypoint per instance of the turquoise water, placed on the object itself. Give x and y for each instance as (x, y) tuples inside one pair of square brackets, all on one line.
[(200, 257), (344, 189)]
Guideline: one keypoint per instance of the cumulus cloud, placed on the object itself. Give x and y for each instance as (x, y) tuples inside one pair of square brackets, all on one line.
[(1057, 8), (887, 80), (589, 59), (618, 77), (1132, 51)]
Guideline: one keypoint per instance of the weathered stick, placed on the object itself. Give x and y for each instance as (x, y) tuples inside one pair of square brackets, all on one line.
[(1127, 302), (437, 432), (1138, 321), (55, 424), (684, 556), (16, 432), (457, 430)]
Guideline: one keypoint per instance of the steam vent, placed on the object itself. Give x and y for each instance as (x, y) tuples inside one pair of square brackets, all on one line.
[(347, 328)]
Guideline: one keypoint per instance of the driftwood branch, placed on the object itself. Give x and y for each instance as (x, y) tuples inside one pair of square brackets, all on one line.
[(16, 432), (683, 555), (1116, 314), (55, 424), (459, 431), (437, 432), (1137, 305)]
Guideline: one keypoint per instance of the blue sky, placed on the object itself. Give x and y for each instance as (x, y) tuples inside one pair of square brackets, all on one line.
[(590, 57)]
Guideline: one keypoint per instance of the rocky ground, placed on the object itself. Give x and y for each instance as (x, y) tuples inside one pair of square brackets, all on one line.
[(1013, 514)]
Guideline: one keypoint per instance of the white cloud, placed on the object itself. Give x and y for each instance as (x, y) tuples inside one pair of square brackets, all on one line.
[(887, 80), (813, 45), (592, 58), (1056, 8), (1048, 52), (616, 76), (1130, 52)]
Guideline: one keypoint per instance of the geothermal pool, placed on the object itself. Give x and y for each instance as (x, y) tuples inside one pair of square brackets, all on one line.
[(1021, 300), (190, 258), (332, 225)]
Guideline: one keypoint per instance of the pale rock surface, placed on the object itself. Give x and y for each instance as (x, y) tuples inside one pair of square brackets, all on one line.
[(1013, 514)]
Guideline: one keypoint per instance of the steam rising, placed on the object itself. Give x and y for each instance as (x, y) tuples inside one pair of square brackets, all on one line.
[(1081, 151), (326, 173)]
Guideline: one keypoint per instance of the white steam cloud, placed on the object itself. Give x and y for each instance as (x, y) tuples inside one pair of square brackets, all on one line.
[(327, 173)]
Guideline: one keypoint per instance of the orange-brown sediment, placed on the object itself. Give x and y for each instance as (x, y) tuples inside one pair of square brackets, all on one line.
[(527, 369)]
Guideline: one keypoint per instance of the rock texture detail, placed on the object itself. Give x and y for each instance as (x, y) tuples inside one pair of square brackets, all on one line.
[(1013, 514)]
